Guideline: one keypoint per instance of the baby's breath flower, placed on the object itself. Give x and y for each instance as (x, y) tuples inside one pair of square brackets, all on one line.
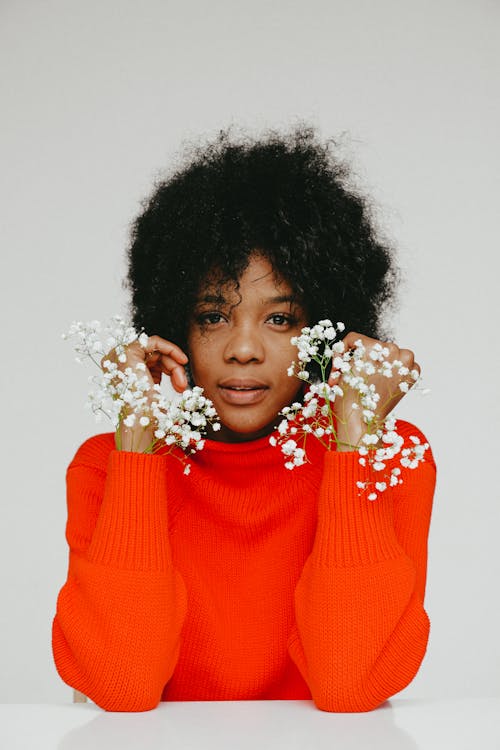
[(124, 396), (381, 442)]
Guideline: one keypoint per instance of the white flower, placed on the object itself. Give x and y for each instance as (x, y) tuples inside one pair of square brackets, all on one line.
[(283, 427), (117, 388), (289, 447), (353, 370), (299, 456)]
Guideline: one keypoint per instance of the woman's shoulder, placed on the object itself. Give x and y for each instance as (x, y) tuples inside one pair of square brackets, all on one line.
[(94, 452)]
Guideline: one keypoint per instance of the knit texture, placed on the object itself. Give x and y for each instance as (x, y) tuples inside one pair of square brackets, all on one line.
[(243, 580)]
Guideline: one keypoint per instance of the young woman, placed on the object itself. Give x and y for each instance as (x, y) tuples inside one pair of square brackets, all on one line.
[(244, 580)]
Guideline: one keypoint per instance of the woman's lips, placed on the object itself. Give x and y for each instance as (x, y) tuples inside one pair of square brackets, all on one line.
[(238, 394)]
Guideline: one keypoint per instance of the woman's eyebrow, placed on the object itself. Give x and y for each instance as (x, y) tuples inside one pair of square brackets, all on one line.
[(278, 299), (217, 299)]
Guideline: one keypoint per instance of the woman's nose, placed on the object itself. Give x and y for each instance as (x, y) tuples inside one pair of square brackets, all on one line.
[(244, 345)]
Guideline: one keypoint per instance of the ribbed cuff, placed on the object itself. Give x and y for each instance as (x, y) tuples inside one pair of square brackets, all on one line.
[(132, 528), (353, 530)]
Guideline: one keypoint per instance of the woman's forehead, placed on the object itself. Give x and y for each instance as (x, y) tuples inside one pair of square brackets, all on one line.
[(258, 276)]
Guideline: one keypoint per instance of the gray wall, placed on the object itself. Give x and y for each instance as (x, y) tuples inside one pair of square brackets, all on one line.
[(97, 97)]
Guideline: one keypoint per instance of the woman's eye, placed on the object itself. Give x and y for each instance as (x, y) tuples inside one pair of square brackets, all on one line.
[(279, 319), (209, 317)]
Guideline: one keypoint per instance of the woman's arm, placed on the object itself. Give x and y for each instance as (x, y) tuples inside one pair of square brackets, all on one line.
[(361, 629), (117, 626)]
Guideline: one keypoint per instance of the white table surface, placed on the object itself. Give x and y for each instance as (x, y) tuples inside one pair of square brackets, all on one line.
[(400, 724)]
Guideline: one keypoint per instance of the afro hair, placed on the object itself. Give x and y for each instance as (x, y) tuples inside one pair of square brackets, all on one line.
[(285, 195)]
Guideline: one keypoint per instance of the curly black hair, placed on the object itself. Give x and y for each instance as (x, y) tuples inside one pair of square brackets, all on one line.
[(286, 195)]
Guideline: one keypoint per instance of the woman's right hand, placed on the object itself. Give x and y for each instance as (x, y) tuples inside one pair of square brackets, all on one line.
[(159, 356)]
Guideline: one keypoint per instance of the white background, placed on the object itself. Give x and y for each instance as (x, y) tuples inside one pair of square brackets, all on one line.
[(98, 97)]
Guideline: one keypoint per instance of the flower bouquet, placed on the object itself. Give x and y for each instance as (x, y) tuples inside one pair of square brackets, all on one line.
[(124, 395), (380, 446)]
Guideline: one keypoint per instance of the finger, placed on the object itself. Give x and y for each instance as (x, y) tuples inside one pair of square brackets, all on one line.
[(353, 336), (168, 364), (406, 356), (178, 378), (171, 368), (155, 369), (175, 372), (394, 352), (415, 366), (167, 348), (334, 377), (349, 342)]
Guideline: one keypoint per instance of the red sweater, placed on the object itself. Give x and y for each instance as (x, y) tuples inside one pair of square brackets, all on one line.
[(243, 580)]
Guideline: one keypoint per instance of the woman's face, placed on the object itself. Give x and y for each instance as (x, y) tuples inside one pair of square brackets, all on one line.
[(240, 354)]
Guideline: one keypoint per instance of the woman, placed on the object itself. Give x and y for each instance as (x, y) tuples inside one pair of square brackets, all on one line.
[(244, 580)]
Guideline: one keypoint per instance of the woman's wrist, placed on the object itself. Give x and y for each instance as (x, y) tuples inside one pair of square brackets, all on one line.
[(349, 436), (133, 440)]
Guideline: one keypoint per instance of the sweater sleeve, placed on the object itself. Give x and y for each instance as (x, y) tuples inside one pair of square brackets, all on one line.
[(116, 631), (361, 631)]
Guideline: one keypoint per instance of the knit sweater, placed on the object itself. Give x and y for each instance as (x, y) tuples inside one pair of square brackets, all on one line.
[(243, 580)]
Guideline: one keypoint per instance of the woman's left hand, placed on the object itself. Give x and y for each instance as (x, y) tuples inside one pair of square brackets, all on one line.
[(350, 424)]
